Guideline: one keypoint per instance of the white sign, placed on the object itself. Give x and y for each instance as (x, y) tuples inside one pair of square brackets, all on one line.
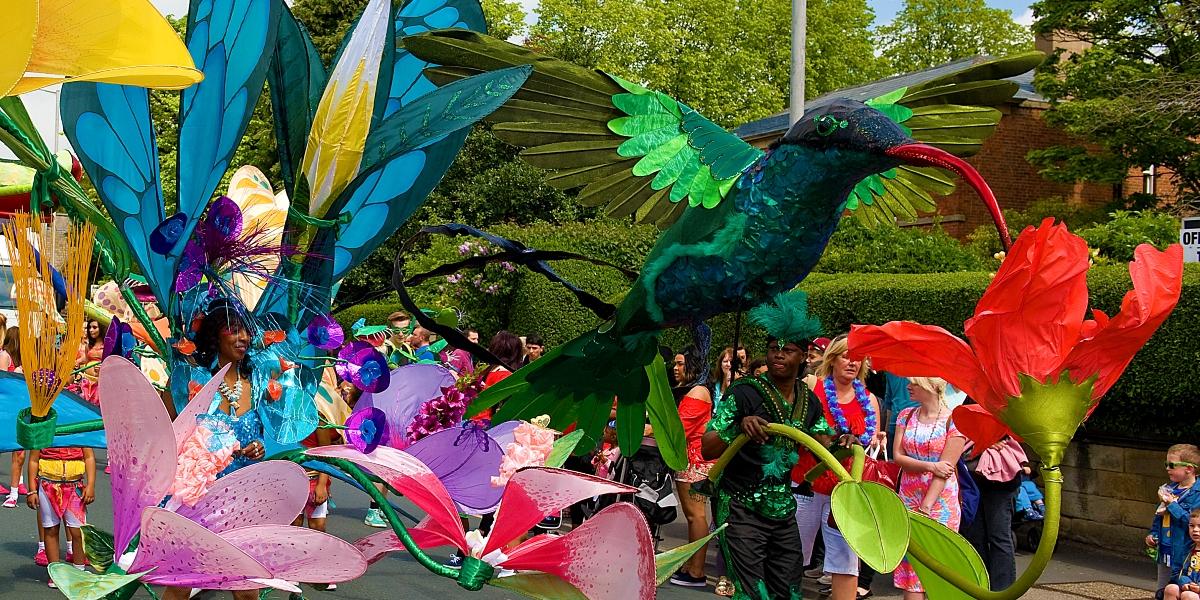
[(1189, 236)]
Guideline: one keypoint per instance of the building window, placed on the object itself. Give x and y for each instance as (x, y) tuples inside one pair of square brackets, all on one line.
[(1148, 180)]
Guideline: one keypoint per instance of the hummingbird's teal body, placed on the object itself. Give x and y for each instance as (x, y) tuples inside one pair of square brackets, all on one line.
[(741, 225), (774, 227)]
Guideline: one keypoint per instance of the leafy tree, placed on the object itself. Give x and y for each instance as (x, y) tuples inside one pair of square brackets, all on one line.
[(1133, 92), (928, 33), (728, 60)]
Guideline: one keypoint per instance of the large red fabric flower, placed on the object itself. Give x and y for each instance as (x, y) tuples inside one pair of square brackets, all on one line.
[(1030, 340)]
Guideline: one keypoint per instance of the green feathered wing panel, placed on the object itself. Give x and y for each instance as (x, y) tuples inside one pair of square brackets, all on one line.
[(633, 151), (956, 113)]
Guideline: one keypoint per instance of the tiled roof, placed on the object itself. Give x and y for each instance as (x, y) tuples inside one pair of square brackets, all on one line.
[(778, 123)]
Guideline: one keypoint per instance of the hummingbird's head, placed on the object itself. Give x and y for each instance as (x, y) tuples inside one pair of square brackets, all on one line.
[(854, 126)]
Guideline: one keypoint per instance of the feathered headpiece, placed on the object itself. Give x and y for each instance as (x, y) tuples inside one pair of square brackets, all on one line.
[(786, 318)]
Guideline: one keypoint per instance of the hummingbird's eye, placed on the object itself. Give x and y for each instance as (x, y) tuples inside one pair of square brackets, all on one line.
[(827, 125)]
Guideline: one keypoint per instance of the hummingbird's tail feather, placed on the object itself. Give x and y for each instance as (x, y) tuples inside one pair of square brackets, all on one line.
[(582, 381)]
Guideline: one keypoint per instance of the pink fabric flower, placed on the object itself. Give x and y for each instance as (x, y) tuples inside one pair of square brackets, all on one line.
[(199, 462), (530, 447)]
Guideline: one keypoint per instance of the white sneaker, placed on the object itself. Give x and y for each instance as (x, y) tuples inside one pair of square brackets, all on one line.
[(814, 572), (10, 501), (826, 580)]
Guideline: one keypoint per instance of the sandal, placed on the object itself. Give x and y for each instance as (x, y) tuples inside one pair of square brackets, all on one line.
[(724, 587)]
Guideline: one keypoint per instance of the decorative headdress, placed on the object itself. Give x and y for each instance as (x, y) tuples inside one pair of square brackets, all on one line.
[(786, 319)]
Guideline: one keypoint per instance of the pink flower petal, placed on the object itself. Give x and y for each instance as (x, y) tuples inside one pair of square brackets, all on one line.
[(141, 445), (535, 492), (413, 479), (610, 556), (272, 492), (183, 553)]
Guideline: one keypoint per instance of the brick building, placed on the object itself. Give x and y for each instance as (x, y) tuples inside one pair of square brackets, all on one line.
[(1001, 160)]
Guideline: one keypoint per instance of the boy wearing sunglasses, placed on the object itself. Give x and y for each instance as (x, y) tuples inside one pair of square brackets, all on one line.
[(1169, 530)]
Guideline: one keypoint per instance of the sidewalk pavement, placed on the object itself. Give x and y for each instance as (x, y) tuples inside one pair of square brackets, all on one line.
[(1077, 571)]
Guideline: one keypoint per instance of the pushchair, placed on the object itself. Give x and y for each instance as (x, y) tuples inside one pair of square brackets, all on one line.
[(1029, 511)]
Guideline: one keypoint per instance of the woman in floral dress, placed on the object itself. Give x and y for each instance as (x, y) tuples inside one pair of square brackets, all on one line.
[(927, 448)]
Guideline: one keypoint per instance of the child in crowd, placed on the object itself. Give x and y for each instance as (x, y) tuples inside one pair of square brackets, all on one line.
[(1169, 530), (65, 483), (1185, 585)]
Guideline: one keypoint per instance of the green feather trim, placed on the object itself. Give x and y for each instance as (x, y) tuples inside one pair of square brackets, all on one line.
[(786, 318)]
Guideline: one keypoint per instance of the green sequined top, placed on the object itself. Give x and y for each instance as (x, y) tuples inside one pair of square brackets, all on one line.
[(759, 477)]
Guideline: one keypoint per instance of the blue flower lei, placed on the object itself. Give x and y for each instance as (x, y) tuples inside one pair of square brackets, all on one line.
[(839, 417)]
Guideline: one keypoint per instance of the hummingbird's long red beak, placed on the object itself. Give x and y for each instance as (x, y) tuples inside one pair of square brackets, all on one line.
[(924, 155)]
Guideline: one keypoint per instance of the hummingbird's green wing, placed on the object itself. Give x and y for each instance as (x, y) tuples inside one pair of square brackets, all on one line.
[(954, 112), (632, 150)]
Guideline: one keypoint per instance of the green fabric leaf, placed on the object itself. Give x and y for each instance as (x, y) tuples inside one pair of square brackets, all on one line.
[(1000, 68), (536, 134), (987, 93), (726, 154), (646, 142), (540, 586), (631, 422), (930, 179), (658, 157), (953, 550), (76, 584), (641, 104), (563, 447), (896, 112), (97, 546), (670, 172), (638, 124), (873, 520), (666, 563), (889, 98), (687, 178), (664, 417)]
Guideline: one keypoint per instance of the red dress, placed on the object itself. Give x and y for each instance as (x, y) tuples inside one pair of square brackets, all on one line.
[(695, 414)]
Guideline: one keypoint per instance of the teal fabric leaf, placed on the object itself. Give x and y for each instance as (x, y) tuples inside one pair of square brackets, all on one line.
[(297, 80)]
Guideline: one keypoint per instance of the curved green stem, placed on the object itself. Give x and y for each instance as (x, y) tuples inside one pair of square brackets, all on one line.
[(139, 312), (1041, 558), (858, 462), (821, 452), (361, 478), (80, 427)]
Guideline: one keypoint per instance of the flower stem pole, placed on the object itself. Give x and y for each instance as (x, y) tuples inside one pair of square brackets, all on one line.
[(820, 451), (1041, 558), (80, 427)]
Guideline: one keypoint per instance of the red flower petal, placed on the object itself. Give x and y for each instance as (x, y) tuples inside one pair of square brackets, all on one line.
[(910, 349), (1157, 282), (274, 389), (185, 347), (975, 422), (1030, 316)]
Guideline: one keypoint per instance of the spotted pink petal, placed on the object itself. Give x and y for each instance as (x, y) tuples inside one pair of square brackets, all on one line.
[(413, 479), (141, 445), (376, 545), (610, 556), (536, 492), (257, 584), (184, 553), (298, 553), (185, 422), (272, 492)]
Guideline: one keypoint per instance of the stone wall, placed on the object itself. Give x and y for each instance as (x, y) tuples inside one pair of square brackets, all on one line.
[(1110, 494)]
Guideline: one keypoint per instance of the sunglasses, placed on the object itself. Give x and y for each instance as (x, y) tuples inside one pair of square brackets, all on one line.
[(1176, 465)]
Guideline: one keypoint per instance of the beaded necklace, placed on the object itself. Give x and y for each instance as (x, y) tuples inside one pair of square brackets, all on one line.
[(839, 417), (233, 395)]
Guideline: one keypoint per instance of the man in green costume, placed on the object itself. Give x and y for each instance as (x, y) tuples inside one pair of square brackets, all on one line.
[(761, 541)]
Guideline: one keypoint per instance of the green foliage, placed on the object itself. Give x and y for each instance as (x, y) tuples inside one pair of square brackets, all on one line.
[(728, 60), (1132, 95), (1116, 239), (927, 33), (888, 248)]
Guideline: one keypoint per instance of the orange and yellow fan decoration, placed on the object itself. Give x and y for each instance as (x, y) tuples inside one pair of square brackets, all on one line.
[(49, 340)]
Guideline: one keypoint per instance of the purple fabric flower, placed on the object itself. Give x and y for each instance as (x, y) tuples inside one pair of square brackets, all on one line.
[(119, 339), (367, 429), (438, 414), (325, 333), (364, 366), (224, 221), (191, 266)]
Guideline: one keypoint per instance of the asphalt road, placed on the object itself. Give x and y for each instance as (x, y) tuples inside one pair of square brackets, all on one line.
[(397, 576)]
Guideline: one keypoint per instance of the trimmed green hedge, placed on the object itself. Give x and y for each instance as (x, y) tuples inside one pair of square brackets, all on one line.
[(1153, 402)]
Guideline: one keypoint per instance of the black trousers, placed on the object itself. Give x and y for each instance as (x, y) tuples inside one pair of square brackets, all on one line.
[(764, 552), (991, 532)]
